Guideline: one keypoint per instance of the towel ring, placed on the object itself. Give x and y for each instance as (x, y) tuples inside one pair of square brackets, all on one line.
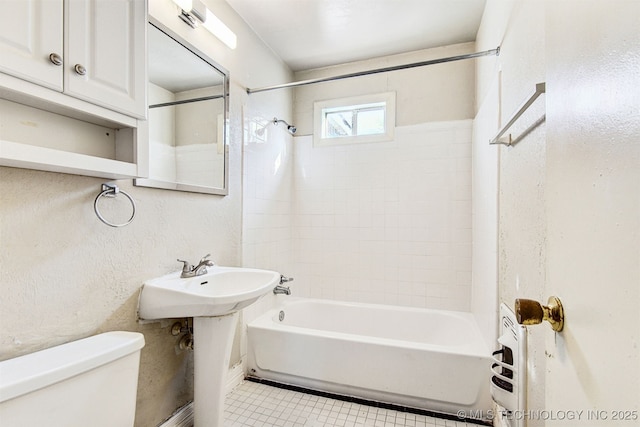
[(112, 190)]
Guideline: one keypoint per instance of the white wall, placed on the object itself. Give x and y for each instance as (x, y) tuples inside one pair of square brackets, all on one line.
[(65, 275), (389, 222), (484, 224), (434, 93), (569, 195), (517, 179)]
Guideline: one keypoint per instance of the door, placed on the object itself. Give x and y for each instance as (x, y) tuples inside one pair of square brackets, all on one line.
[(31, 41), (593, 171), (106, 51)]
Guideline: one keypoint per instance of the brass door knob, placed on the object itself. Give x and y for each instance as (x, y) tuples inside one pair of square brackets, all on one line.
[(530, 312)]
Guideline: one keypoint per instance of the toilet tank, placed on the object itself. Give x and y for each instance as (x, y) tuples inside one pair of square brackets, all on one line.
[(89, 382)]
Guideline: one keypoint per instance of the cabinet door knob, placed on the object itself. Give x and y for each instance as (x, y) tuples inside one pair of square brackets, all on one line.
[(80, 69), (55, 59)]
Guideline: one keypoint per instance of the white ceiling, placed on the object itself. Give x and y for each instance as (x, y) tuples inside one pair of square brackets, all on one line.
[(309, 34)]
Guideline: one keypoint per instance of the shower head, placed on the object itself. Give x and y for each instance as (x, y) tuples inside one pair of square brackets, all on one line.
[(292, 129)]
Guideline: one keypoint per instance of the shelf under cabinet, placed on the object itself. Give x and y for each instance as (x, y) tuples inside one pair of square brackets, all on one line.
[(80, 144), (26, 156)]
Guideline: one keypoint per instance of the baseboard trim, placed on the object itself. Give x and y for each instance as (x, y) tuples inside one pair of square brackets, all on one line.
[(234, 377), (183, 417)]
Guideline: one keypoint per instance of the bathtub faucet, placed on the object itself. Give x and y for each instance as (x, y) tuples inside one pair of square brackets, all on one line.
[(198, 270), (283, 289)]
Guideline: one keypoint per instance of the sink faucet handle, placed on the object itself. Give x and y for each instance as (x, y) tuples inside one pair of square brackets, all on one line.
[(285, 279), (186, 267), (206, 261)]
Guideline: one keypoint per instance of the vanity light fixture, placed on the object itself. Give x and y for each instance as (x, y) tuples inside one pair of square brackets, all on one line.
[(195, 12)]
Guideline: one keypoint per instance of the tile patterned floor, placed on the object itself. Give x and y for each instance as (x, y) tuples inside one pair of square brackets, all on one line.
[(261, 405)]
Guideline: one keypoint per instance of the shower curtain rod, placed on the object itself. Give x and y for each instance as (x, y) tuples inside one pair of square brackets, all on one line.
[(186, 101), (495, 51)]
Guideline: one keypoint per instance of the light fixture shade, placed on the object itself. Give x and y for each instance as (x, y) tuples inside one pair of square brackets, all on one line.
[(185, 5), (197, 9), (220, 30)]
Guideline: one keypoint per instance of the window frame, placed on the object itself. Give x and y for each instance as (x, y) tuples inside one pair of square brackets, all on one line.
[(359, 103)]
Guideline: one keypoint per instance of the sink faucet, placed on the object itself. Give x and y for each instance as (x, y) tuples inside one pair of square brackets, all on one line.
[(191, 271), (283, 289)]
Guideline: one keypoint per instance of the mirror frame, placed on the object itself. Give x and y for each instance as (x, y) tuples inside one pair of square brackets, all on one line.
[(193, 188)]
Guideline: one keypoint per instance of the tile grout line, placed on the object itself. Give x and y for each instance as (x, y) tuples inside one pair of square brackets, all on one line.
[(256, 404)]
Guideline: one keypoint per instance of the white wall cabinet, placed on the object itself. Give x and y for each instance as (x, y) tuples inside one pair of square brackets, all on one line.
[(84, 63)]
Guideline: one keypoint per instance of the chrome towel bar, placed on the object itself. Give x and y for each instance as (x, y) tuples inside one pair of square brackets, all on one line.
[(110, 189), (540, 89)]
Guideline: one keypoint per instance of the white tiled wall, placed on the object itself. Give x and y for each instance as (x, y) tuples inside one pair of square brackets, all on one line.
[(267, 197), (381, 223), (386, 222)]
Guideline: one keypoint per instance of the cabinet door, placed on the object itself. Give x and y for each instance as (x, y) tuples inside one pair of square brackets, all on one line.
[(106, 53), (30, 32)]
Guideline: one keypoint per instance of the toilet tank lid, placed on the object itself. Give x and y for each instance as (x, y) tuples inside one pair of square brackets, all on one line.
[(34, 371)]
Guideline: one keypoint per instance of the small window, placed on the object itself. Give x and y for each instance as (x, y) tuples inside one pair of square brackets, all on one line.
[(369, 118)]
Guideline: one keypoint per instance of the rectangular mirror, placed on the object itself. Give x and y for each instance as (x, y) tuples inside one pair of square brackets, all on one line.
[(187, 118)]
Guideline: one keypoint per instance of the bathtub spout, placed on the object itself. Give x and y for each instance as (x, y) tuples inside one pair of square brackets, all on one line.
[(282, 290)]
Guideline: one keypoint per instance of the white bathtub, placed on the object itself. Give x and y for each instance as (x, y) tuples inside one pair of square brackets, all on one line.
[(428, 359)]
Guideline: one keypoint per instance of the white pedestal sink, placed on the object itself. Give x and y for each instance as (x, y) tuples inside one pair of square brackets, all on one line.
[(212, 337), (213, 301)]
